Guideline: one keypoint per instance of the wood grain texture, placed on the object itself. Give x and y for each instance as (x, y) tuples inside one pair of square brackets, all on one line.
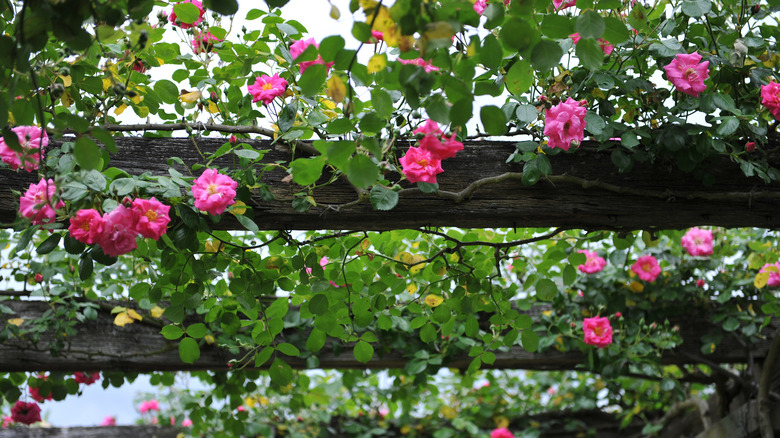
[(90, 432), (100, 345), (649, 196)]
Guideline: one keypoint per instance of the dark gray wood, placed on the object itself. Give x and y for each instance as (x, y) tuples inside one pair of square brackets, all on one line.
[(100, 345), (90, 432), (585, 191)]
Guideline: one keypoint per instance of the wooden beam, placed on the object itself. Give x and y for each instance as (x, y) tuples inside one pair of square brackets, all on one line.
[(89, 432), (585, 191), (100, 345), (742, 422)]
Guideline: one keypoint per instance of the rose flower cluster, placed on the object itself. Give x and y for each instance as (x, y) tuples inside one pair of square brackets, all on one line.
[(423, 163)]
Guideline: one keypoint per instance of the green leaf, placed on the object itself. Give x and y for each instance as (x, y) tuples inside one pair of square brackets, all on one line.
[(186, 12), (166, 90), (519, 78), (73, 246), (546, 55), (428, 187), (49, 244), (730, 324), (728, 126), (428, 333), (85, 267), (493, 119), (288, 349), (172, 332), (546, 289), (363, 351), (281, 373), (330, 47), (590, 24), (362, 171), (316, 340), (263, 356), (490, 53), (590, 54), (382, 103), (530, 340), (615, 30), (318, 305), (383, 198), (518, 34), (696, 8), (189, 351), (197, 330), (621, 160), (87, 154), (247, 223), (312, 79), (557, 26), (307, 171)]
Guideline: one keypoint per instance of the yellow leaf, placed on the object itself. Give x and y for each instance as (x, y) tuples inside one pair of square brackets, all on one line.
[(471, 50), (406, 429), (417, 268), (66, 99), (16, 321), (636, 286), (107, 83), (120, 109), (329, 104), (122, 319), (438, 30), (213, 109), (142, 111), (133, 314), (377, 63), (336, 89), (137, 99), (191, 97), (157, 311), (501, 421), (66, 80), (448, 412), (334, 12), (237, 210), (761, 279), (433, 300), (412, 288), (383, 22), (209, 339), (213, 246)]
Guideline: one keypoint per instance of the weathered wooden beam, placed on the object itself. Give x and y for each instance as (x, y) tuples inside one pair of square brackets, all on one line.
[(742, 422), (89, 432), (585, 191), (100, 345)]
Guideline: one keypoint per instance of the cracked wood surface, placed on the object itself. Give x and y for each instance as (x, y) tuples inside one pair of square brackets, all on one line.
[(585, 191)]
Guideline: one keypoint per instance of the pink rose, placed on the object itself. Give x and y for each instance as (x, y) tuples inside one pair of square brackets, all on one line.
[(429, 127), (481, 5), (38, 277), (426, 65), (186, 422), (32, 139), (35, 392), (376, 36), (86, 378), (109, 421), (774, 277), (750, 146), (86, 226), (700, 283), (440, 150), (267, 88), (606, 47), (204, 42), (598, 331), (146, 406), (770, 98), (119, 232), (173, 19), (697, 242), (214, 192), (36, 203), (564, 124), (688, 74), (501, 432), (7, 421), (151, 217), (420, 165), (563, 4), (593, 263), (646, 267), (26, 413), (298, 47)]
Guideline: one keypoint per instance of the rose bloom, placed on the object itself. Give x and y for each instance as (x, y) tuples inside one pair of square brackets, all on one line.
[(501, 432), (109, 421), (151, 405), (593, 263), (426, 65), (204, 42), (770, 98), (172, 16), (420, 165), (86, 226), (26, 413), (150, 217), (429, 127), (119, 232), (36, 203), (376, 37), (32, 139), (267, 88), (481, 5), (563, 4), (440, 150), (750, 146), (139, 66), (697, 242), (687, 73), (598, 331), (186, 422), (214, 192), (606, 47), (86, 378), (7, 421), (646, 267), (35, 393), (774, 277), (564, 124), (298, 47)]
